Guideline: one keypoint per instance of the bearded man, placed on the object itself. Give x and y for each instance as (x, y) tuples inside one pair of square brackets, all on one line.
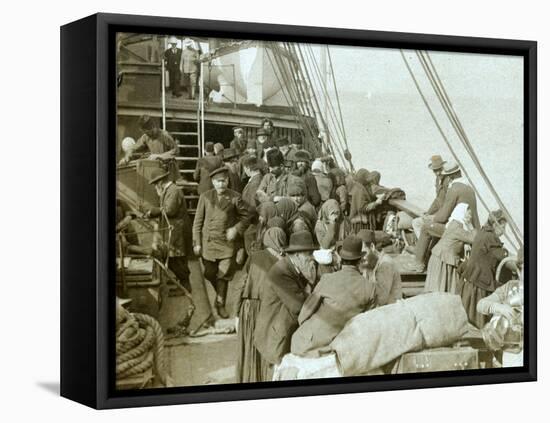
[(380, 269), (287, 285)]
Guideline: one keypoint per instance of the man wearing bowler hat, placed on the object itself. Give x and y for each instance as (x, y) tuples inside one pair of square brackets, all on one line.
[(286, 287), (220, 218), (174, 224), (172, 60), (230, 158), (336, 299)]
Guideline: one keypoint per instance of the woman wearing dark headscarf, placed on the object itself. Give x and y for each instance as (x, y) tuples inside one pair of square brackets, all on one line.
[(266, 211), (478, 273), (249, 364), (363, 202)]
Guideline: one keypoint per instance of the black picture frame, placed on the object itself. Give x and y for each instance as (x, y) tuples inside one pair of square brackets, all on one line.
[(88, 78)]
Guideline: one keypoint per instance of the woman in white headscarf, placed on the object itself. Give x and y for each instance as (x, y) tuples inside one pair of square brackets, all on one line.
[(442, 273)]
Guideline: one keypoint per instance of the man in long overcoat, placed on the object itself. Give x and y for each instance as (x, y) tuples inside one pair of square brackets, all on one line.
[(286, 287), (172, 60), (220, 218), (174, 224)]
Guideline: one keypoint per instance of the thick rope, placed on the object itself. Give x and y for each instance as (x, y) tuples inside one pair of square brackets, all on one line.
[(139, 345)]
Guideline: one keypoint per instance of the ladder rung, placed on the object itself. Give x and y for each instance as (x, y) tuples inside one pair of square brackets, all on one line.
[(187, 170), (191, 197), (186, 159), (187, 146), (182, 133)]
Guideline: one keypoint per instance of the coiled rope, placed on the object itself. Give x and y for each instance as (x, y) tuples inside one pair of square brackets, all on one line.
[(139, 346)]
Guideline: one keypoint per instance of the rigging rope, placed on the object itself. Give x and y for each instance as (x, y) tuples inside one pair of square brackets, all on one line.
[(296, 114), (320, 115), (445, 101), (338, 148), (434, 118)]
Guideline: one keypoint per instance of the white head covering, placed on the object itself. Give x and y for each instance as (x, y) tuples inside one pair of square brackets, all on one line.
[(318, 165), (458, 214)]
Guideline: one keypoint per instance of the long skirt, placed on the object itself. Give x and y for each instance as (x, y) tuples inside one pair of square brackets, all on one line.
[(441, 277), (249, 362), (471, 295)]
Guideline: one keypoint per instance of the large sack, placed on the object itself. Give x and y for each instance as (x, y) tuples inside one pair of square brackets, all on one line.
[(376, 337)]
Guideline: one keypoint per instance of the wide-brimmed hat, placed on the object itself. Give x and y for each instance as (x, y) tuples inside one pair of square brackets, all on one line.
[(301, 241), (223, 169), (436, 162), (351, 248), (450, 167), (157, 175), (172, 40), (229, 153)]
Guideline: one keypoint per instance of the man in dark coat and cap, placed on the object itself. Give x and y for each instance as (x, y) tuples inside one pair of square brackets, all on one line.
[(205, 165), (221, 216), (231, 161), (172, 213), (337, 298), (286, 287)]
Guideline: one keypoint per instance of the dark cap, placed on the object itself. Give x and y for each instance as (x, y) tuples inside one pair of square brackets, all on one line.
[(261, 131), (209, 147), (220, 170)]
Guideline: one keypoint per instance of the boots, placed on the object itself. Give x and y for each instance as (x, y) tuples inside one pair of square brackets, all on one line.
[(221, 293)]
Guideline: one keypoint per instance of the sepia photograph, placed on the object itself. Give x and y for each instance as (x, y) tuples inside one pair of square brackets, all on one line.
[(292, 211)]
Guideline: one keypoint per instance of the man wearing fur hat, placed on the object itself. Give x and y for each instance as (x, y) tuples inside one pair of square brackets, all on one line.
[(172, 60), (231, 160), (275, 184), (220, 218)]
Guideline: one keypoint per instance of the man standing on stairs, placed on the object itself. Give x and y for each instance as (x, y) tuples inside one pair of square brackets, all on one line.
[(220, 217), (206, 164), (190, 62), (172, 59)]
